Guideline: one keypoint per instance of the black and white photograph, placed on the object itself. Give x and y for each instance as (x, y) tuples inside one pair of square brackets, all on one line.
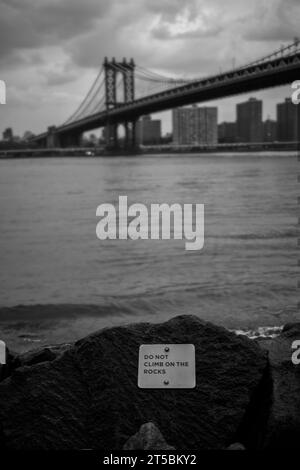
[(149, 228)]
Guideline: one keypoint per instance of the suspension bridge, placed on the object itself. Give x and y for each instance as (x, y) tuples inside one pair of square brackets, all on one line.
[(123, 92)]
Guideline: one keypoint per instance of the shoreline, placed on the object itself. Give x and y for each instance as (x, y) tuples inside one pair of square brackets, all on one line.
[(26, 327), (91, 153)]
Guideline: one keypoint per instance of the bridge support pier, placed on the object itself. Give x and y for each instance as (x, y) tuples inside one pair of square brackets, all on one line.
[(130, 134), (111, 136), (70, 140), (52, 140), (111, 132)]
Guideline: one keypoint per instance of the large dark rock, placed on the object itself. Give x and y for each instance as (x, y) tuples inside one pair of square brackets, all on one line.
[(283, 426), (88, 397)]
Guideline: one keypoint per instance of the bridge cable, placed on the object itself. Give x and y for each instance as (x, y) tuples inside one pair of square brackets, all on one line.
[(74, 115)]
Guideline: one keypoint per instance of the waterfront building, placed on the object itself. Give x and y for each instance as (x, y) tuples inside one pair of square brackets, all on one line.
[(195, 126), (148, 131), (288, 121), (227, 132), (269, 130), (249, 121)]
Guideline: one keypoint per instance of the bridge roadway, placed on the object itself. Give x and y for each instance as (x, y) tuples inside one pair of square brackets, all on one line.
[(273, 73)]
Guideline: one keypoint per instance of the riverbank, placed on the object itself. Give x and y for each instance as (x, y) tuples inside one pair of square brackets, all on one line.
[(279, 148), (246, 391)]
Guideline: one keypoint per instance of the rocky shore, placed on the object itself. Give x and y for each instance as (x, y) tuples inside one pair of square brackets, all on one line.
[(85, 395)]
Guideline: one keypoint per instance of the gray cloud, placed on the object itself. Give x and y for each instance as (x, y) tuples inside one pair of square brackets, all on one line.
[(186, 19), (163, 32), (55, 78), (24, 24), (275, 21), (168, 10)]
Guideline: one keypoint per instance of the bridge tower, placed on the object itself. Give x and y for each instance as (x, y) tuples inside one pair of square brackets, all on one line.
[(113, 70)]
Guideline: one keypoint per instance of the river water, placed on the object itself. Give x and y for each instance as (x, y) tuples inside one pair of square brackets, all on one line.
[(244, 277)]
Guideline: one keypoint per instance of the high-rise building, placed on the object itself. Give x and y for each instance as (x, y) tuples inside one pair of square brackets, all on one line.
[(227, 132), (270, 130), (194, 126), (249, 121), (148, 131), (288, 121)]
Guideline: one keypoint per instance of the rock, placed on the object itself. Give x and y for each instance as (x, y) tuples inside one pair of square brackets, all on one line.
[(148, 437), (236, 446), (11, 363), (44, 406), (293, 328), (36, 356), (88, 397), (283, 426)]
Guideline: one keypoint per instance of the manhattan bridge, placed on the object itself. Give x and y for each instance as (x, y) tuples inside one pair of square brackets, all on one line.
[(123, 92)]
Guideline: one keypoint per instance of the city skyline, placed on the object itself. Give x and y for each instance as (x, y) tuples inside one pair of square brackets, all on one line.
[(282, 127)]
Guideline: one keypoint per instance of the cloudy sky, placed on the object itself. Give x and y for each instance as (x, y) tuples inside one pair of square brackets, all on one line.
[(51, 50)]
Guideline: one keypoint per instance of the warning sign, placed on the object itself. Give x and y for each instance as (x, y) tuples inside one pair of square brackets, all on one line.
[(167, 366)]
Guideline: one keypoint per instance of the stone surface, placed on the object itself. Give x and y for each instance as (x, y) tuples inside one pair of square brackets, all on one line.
[(283, 426), (148, 437), (37, 356), (88, 396), (11, 362)]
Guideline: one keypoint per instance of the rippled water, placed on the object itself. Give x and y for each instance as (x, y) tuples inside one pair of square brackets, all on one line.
[(245, 277)]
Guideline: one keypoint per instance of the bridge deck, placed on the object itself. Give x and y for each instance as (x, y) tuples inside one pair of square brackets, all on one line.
[(276, 72)]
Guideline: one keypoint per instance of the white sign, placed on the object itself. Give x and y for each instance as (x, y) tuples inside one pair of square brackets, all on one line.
[(167, 366)]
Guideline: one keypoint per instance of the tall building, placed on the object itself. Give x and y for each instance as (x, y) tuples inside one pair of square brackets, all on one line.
[(288, 121), (194, 126), (227, 132), (148, 131), (269, 130), (249, 121)]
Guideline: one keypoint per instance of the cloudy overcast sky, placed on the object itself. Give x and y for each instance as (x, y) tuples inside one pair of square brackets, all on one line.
[(51, 50)]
